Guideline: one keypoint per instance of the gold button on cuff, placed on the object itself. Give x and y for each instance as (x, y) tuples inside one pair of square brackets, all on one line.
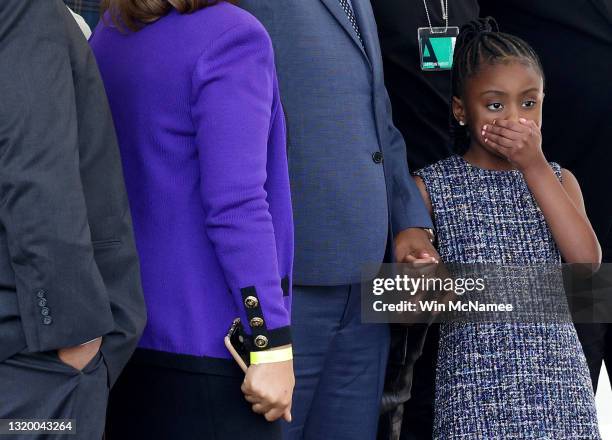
[(251, 302), (261, 341), (256, 322)]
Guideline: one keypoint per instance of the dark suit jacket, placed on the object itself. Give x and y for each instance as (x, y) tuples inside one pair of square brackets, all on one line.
[(350, 186), (68, 265), (420, 100)]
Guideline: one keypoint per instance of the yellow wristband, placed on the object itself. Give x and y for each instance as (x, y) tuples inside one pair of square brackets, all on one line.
[(270, 356)]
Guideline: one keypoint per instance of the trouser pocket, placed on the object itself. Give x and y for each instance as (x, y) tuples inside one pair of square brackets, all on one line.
[(91, 366), (41, 386)]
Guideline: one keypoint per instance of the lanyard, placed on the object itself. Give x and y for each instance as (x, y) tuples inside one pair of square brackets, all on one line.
[(444, 7), (437, 44)]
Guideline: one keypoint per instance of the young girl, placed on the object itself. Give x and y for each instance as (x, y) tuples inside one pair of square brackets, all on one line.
[(500, 201)]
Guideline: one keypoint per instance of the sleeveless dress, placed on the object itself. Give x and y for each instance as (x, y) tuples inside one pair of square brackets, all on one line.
[(497, 381)]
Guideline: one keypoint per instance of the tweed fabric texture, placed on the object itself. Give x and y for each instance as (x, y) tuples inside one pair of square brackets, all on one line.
[(503, 380)]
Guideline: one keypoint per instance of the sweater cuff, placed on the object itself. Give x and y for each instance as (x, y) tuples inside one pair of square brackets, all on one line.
[(260, 336), (260, 340), (276, 338)]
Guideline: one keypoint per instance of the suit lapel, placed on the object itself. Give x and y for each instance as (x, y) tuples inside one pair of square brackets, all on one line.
[(336, 10), (367, 27)]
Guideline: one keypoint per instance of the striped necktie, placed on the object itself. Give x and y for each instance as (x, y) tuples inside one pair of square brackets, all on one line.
[(351, 16)]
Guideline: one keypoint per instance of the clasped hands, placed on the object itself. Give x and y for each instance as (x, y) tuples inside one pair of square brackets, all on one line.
[(412, 245)]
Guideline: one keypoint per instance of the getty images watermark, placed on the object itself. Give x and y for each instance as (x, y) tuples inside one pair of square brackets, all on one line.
[(403, 293), (415, 286)]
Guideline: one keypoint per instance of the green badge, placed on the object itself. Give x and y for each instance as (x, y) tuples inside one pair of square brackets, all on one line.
[(437, 46)]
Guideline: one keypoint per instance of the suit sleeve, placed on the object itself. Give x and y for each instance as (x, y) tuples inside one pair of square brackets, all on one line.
[(107, 206), (407, 207), (61, 294), (232, 106)]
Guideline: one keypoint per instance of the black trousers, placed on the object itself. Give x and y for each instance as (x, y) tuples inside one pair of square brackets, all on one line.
[(418, 413), (414, 419), (156, 402), (41, 386)]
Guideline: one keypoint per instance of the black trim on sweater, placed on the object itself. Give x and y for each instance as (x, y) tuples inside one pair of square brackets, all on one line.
[(187, 362)]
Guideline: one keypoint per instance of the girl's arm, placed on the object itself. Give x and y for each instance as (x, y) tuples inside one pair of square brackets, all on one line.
[(561, 202), (563, 208)]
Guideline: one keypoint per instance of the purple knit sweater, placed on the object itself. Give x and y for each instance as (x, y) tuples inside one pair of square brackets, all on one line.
[(202, 135)]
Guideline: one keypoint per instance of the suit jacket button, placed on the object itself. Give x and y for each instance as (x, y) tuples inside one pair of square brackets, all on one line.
[(377, 157), (261, 341), (44, 311), (42, 302), (47, 320), (251, 302), (256, 322), (41, 293)]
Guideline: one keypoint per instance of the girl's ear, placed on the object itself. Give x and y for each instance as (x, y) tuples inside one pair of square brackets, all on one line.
[(459, 110)]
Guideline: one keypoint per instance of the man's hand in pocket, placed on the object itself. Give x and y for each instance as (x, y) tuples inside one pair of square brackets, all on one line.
[(78, 357)]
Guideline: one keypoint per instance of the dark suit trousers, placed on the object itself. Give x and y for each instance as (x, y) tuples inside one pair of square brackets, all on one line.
[(41, 386), (339, 365)]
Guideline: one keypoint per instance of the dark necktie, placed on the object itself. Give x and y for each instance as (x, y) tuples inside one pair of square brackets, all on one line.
[(351, 16)]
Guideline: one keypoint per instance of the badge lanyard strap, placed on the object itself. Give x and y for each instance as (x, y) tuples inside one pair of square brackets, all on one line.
[(444, 7)]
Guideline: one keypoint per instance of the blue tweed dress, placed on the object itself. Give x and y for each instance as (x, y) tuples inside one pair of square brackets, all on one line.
[(498, 381)]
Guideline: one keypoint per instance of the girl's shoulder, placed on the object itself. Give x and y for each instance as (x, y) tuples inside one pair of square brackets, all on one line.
[(439, 168)]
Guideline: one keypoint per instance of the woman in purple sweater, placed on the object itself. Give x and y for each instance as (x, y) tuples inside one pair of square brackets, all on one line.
[(195, 101)]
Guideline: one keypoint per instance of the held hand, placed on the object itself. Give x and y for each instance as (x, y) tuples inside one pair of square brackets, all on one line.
[(78, 357), (519, 142), (412, 245), (269, 387)]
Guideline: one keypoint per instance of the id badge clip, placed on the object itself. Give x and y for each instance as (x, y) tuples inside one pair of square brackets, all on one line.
[(437, 46)]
